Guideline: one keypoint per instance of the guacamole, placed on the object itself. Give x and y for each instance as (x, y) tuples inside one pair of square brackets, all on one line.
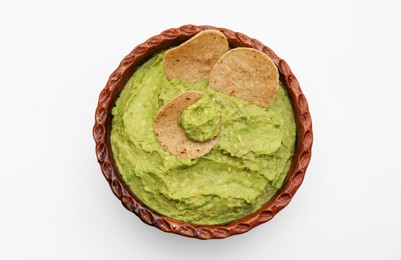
[(238, 176), (200, 121)]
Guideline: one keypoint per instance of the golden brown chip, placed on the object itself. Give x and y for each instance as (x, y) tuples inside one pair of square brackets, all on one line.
[(248, 74), (194, 59), (170, 134)]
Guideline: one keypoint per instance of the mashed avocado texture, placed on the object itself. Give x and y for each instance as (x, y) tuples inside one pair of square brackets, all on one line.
[(200, 121), (237, 177)]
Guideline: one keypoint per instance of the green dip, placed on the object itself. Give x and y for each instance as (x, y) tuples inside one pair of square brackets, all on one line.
[(200, 121), (237, 177)]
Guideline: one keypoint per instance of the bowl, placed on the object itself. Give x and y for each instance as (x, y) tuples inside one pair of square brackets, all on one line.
[(102, 128)]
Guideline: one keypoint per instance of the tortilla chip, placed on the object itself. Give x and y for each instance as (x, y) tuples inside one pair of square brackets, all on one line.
[(170, 134), (248, 74), (194, 59)]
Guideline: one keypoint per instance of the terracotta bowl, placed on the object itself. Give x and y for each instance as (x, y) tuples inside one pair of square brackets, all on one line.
[(101, 134)]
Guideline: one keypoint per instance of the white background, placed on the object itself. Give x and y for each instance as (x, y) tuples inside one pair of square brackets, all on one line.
[(56, 56)]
